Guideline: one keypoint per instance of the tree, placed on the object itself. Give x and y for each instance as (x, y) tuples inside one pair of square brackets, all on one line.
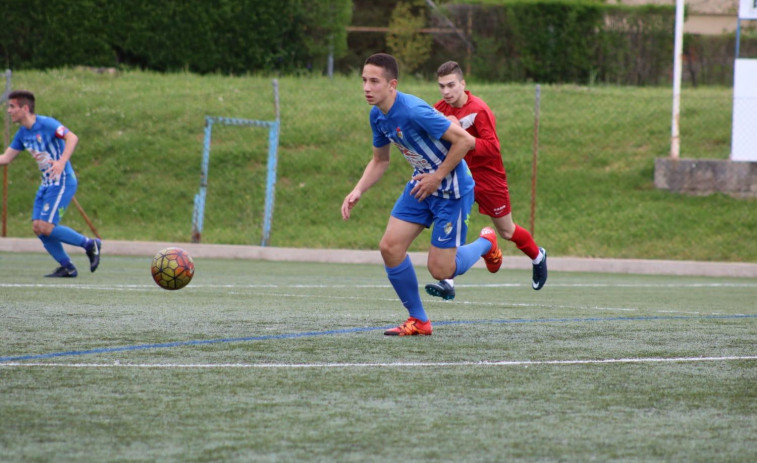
[(405, 40)]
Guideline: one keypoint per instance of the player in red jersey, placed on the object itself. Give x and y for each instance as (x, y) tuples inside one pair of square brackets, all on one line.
[(485, 163)]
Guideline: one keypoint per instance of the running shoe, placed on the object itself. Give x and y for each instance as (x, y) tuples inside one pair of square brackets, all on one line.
[(411, 327)]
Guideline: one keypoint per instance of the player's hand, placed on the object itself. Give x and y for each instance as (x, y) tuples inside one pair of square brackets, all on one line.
[(425, 185), (454, 120), (349, 202), (56, 169)]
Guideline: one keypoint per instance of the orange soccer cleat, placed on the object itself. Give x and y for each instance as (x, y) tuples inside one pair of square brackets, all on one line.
[(493, 258), (411, 327)]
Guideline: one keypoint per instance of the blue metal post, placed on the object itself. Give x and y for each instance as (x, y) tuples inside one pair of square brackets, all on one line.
[(270, 189), (199, 209)]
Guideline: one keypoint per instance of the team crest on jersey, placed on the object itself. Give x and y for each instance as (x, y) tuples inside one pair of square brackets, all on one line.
[(399, 132), (39, 138), (448, 228)]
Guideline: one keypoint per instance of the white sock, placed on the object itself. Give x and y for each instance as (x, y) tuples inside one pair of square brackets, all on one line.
[(451, 282), (539, 258)]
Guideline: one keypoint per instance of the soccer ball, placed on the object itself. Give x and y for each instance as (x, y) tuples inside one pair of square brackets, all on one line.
[(172, 268)]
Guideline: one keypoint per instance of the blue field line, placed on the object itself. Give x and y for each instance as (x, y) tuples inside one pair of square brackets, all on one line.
[(165, 345)]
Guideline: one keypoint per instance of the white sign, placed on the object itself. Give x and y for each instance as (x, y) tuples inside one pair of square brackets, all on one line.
[(748, 9), (744, 135)]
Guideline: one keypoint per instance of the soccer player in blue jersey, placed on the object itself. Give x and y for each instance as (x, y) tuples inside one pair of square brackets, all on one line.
[(440, 192), (51, 144)]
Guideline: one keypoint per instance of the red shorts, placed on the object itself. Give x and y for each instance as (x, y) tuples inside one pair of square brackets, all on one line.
[(491, 193)]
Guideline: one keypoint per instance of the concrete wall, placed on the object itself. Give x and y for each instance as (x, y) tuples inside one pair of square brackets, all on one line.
[(706, 176)]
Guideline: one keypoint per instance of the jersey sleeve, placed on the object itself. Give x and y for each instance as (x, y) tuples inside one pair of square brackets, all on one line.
[(432, 121), (61, 131), (379, 139), (54, 126), (487, 143), (16, 143)]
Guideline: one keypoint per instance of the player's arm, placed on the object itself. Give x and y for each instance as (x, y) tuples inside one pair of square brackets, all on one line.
[(56, 167), (9, 155), (372, 174), (461, 142), (487, 143)]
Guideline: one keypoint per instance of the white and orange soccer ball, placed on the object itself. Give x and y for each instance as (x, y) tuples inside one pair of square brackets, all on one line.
[(172, 268)]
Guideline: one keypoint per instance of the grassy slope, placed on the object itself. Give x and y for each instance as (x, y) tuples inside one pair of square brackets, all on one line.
[(141, 143)]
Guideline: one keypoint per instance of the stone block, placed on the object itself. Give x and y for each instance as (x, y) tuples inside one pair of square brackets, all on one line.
[(706, 176)]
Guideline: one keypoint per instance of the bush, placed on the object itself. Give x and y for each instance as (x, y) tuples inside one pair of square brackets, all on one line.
[(227, 36), (540, 40)]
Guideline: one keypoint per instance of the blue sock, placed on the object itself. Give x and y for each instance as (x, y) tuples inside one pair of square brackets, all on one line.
[(55, 249), (68, 236), (470, 253), (405, 282)]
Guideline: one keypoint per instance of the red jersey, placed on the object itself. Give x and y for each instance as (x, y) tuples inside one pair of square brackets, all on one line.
[(476, 117), (485, 160)]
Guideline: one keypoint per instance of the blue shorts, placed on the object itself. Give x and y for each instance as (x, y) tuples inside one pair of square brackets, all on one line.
[(51, 202), (449, 216)]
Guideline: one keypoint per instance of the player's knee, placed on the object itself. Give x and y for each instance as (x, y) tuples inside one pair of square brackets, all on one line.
[(390, 252), (42, 228), (441, 275), (441, 270), (506, 232)]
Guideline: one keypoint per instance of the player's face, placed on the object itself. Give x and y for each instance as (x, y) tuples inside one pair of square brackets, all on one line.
[(377, 89), (16, 112), (452, 90)]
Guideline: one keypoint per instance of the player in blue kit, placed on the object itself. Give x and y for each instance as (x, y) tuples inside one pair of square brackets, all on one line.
[(440, 192), (51, 144)]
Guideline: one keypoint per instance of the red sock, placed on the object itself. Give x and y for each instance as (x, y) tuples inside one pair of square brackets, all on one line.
[(525, 242)]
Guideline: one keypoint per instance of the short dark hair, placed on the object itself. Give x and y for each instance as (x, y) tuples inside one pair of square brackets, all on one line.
[(386, 62), (24, 97), (450, 67)]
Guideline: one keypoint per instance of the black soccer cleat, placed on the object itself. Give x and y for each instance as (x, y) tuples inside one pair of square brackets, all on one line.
[(64, 272), (93, 252), (441, 289), (540, 272)]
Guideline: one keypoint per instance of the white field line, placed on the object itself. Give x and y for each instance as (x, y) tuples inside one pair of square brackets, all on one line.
[(491, 304), (484, 363), (387, 286), (111, 287)]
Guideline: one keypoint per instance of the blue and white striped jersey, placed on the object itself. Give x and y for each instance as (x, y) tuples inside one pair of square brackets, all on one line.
[(44, 141), (416, 129)]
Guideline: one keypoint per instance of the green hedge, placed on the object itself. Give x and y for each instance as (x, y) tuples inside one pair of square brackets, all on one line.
[(518, 40), (539, 40), (228, 36), (582, 42), (45, 34)]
